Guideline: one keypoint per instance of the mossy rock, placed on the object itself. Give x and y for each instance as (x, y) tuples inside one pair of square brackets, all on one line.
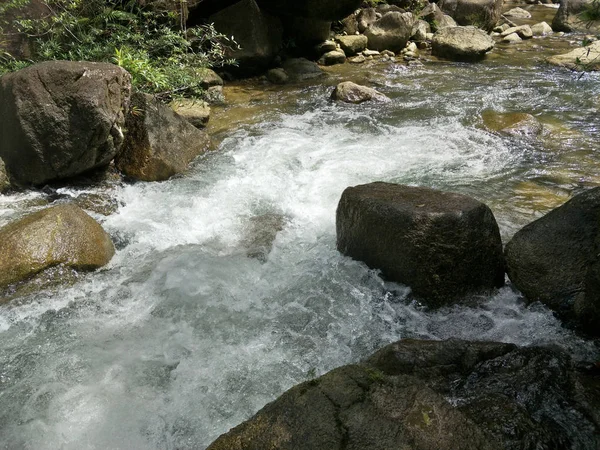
[(60, 235)]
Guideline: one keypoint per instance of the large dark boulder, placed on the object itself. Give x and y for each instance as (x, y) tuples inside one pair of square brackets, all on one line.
[(60, 118), (567, 19), (555, 260), (61, 235), (391, 32), (443, 245), (159, 142), (259, 35), (426, 395), (478, 13), (316, 9), (461, 43)]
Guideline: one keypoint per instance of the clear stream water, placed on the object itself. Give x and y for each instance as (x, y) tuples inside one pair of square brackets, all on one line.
[(184, 335)]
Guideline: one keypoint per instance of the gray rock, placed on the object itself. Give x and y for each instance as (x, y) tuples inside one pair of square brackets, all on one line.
[(512, 123), (445, 22), (420, 30), (350, 92), (350, 24), (426, 395), (324, 47), (518, 13), (524, 31), (391, 32), (300, 69), (511, 38), (60, 119), (479, 13), (555, 260), (583, 58), (366, 17), (278, 76), (461, 43), (332, 58), (443, 245), (159, 143), (541, 29), (358, 59), (352, 45), (196, 112)]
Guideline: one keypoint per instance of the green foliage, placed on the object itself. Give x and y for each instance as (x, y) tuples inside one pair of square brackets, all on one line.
[(591, 13), (153, 45)]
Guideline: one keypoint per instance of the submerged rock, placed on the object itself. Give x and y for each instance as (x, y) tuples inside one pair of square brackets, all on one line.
[(424, 395), (567, 17), (555, 260), (443, 245), (261, 233), (514, 124), (391, 32), (61, 118), (60, 235), (584, 58), (350, 92), (461, 43), (159, 142)]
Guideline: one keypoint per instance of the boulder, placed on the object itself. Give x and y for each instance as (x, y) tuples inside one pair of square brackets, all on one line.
[(512, 38), (432, 14), (566, 18), (326, 46), (461, 43), (349, 25), (513, 124), (541, 29), (358, 59), (524, 32), (479, 13), (350, 92), (196, 112), (159, 142), (61, 118), (554, 260), (425, 395), (4, 180), (304, 32), (584, 58), (318, 9), (332, 58), (352, 45), (259, 35), (445, 22), (443, 245), (518, 13), (60, 235), (278, 76), (420, 30), (366, 17), (301, 69), (391, 32)]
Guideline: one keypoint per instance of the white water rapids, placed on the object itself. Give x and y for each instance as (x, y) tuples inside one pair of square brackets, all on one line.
[(183, 335)]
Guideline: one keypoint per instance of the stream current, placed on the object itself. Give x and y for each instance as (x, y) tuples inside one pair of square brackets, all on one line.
[(184, 335)]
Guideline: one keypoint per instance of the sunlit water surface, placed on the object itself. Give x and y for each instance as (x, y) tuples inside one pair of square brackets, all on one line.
[(184, 335)]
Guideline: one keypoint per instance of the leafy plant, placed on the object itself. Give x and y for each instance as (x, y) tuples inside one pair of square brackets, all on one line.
[(154, 45)]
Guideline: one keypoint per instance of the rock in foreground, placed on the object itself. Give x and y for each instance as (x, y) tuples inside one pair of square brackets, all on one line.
[(461, 43), (159, 142), (555, 260), (443, 245), (350, 92), (584, 58), (61, 235), (425, 395), (61, 118)]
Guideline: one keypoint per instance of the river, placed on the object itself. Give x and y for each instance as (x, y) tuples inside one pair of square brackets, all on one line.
[(185, 334)]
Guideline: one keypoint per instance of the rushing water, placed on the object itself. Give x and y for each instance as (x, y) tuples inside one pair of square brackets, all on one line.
[(184, 335)]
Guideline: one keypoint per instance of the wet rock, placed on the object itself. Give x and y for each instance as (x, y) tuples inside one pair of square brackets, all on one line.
[(261, 233), (432, 14), (4, 180), (332, 58), (60, 235), (300, 69), (319, 9), (324, 47), (350, 92), (445, 22), (584, 58), (443, 245), (278, 76), (98, 203), (554, 260), (352, 45), (196, 112), (391, 32), (523, 31), (514, 124), (479, 13), (512, 38), (518, 13), (366, 17), (566, 18), (425, 395), (420, 30), (461, 43), (61, 118), (350, 25), (541, 29), (159, 142), (259, 35)]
